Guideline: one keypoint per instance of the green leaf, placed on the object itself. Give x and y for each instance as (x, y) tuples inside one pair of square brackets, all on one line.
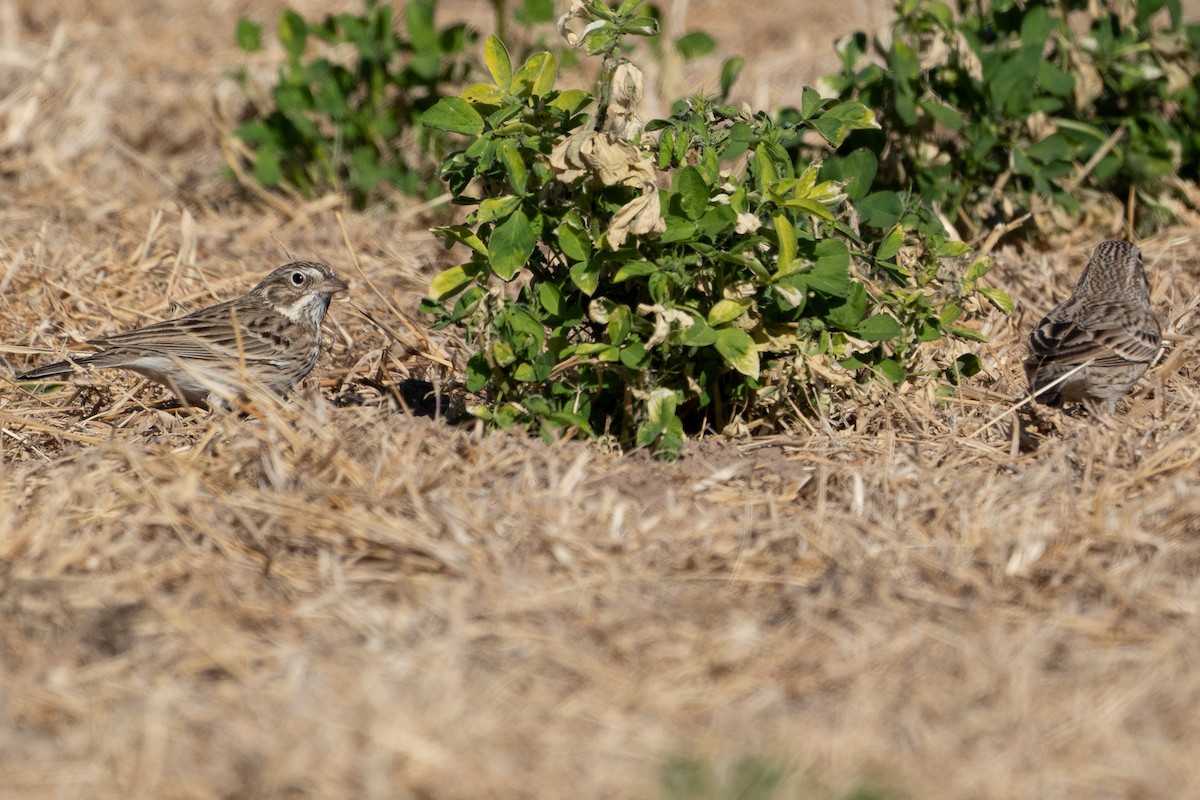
[(293, 33), (737, 348), (426, 42), (570, 100), (692, 190), (620, 322), (718, 221), (574, 242), (952, 249), (267, 167), (530, 333), (635, 269), (486, 94), (495, 55), (969, 334), (502, 353), (536, 76), (730, 71), (1013, 84), (535, 11), (1052, 148), (514, 166), (830, 273), (903, 60), (856, 169), (998, 298), (847, 315), (811, 102), (510, 245), (1054, 80), (762, 168), (891, 244), (450, 282), (589, 348), (479, 372), (809, 206), (727, 311), (467, 303), (536, 370), (633, 355), (455, 115), (255, 133), (678, 230), (880, 209), (249, 35), (660, 418), (494, 208), (786, 234), (586, 276), (948, 116), (967, 365), (551, 298), (839, 120), (694, 45), (892, 370), (878, 328), (543, 84), (461, 234), (698, 334), (1036, 27)]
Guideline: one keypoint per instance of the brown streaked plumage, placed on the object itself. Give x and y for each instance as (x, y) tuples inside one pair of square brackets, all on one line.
[(1107, 324), (270, 336)]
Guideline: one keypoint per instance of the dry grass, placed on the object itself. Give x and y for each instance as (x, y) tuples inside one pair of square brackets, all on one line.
[(331, 601)]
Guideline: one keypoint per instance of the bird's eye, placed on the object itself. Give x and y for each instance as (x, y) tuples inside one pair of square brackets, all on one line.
[(297, 278)]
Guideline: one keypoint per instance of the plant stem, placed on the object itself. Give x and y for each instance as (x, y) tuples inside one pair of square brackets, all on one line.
[(501, 18)]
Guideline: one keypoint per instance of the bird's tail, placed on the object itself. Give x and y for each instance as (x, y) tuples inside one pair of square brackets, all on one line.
[(57, 369)]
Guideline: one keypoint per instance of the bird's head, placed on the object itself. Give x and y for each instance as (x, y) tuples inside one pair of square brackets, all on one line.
[(301, 291)]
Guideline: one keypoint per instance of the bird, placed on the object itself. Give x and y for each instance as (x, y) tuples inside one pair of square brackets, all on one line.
[(1106, 331), (270, 336)]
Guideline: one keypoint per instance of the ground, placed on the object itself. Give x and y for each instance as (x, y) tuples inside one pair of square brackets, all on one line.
[(334, 597)]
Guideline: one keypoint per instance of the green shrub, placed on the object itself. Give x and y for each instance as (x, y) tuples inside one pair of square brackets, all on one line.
[(347, 120), (997, 109), (642, 287)]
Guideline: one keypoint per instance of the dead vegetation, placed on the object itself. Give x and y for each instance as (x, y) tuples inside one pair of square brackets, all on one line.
[(334, 597)]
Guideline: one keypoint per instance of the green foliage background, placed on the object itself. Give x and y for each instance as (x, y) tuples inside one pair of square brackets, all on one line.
[(1057, 109)]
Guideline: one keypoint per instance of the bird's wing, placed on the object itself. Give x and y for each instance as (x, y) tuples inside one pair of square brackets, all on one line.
[(207, 335), (1107, 333)]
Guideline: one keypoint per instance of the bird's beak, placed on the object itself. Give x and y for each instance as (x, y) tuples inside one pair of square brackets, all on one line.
[(332, 285)]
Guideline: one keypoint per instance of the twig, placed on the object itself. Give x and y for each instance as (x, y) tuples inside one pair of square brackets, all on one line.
[(1027, 400)]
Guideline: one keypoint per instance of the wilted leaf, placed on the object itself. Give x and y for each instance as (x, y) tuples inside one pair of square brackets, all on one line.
[(641, 216)]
